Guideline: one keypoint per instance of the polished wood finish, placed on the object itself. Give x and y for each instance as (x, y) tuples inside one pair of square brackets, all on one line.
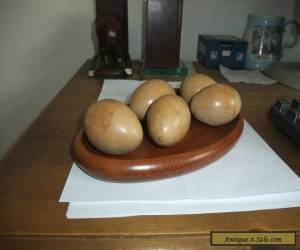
[(168, 120), (146, 94), (109, 12), (202, 145), (193, 84), (216, 105), (112, 127), (33, 173), (163, 33)]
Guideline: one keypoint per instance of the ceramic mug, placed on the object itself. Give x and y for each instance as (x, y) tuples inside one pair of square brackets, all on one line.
[(264, 35)]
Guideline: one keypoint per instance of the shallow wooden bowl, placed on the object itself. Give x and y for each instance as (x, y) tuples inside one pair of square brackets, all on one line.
[(202, 145)]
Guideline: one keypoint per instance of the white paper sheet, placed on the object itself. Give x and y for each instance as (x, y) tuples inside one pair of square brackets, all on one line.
[(250, 177), (250, 168), (124, 209), (246, 76)]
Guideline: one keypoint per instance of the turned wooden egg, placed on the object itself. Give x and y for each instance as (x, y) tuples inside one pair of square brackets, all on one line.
[(168, 120), (146, 94), (216, 105), (112, 127), (193, 84)]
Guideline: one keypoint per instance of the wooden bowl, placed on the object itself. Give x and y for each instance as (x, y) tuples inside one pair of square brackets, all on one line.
[(202, 145)]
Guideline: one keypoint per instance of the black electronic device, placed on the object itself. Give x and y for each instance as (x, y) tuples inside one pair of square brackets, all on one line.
[(286, 117)]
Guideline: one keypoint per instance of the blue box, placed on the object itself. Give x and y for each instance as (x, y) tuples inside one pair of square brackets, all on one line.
[(214, 50)]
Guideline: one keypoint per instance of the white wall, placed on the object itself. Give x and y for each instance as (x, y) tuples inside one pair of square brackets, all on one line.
[(43, 43)]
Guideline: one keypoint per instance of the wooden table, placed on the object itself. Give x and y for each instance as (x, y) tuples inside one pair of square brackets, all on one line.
[(33, 173)]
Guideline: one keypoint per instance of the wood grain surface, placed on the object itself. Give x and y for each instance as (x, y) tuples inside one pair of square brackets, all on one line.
[(162, 20), (202, 145), (33, 173)]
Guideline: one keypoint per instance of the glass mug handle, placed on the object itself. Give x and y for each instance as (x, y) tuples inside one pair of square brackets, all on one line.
[(296, 33)]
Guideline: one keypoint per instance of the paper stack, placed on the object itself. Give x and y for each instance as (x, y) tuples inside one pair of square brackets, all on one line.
[(249, 177)]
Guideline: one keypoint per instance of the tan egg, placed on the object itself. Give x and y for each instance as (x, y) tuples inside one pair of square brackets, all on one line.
[(112, 127), (146, 94), (168, 120), (216, 104), (193, 84)]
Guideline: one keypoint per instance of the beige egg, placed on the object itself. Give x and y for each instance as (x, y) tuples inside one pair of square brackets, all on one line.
[(168, 120), (112, 127), (193, 84), (146, 94), (216, 104)]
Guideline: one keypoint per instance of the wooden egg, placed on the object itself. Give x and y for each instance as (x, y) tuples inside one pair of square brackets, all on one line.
[(146, 94), (112, 127), (193, 84), (168, 120), (216, 105)]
